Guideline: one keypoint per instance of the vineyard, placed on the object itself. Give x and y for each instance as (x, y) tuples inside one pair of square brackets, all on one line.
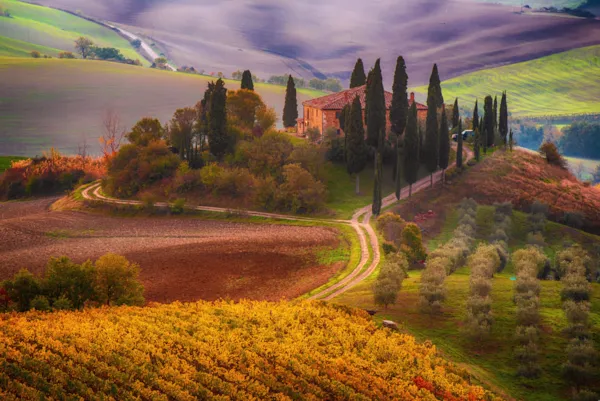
[(224, 350)]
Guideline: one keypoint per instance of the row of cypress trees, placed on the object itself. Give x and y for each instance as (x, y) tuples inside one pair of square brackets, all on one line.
[(491, 124)]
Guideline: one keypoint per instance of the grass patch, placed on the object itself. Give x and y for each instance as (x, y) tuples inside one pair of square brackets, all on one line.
[(534, 86), (5, 162), (343, 200)]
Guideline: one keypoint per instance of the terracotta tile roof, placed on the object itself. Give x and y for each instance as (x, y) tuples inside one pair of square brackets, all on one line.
[(337, 101)]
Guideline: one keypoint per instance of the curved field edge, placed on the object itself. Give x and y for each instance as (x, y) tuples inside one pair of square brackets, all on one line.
[(566, 83), (249, 350)]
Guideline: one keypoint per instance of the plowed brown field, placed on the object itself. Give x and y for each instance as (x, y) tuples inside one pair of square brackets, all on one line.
[(182, 259)]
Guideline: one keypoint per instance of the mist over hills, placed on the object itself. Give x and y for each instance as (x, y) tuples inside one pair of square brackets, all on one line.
[(316, 38)]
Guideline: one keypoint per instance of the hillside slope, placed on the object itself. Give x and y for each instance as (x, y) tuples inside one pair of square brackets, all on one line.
[(244, 351), (560, 84), (74, 96), (326, 37), (56, 29)]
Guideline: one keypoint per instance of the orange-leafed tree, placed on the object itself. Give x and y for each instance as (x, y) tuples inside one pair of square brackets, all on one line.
[(112, 134)]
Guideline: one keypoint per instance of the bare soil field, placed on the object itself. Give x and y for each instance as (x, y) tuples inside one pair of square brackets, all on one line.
[(181, 259)]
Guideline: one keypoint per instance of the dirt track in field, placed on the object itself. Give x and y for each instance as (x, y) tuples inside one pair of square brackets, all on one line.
[(182, 259)]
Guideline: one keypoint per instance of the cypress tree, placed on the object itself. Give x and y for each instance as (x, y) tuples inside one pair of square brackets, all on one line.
[(399, 107), (495, 112), (290, 108), (399, 161), (503, 123), (247, 80), (377, 189), (431, 151), (218, 138), (411, 149), (435, 88), (377, 110), (459, 146), (356, 149), (476, 116), (358, 77), (444, 146), (484, 140), (367, 86), (511, 142), (455, 114), (488, 120), (477, 144)]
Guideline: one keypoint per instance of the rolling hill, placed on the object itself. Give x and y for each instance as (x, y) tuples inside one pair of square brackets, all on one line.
[(52, 30), (59, 103), (561, 84), (318, 38)]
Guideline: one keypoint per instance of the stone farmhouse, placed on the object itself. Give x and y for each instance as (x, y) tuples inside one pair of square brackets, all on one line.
[(324, 112)]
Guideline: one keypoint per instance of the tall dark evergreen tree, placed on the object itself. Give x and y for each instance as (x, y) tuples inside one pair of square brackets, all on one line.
[(411, 149), (435, 88), (495, 111), (377, 186), (432, 142), (503, 123), (476, 116), (484, 139), (511, 141), (356, 149), (358, 77), (247, 80), (459, 146), (377, 110), (477, 144), (455, 114), (290, 108), (488, 120), (399, 107), (218, 137), (399, 163), (444, 146), (343, 118)]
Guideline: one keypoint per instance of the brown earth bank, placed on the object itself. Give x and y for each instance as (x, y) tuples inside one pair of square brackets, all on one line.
[(518, 177), (181, 259)]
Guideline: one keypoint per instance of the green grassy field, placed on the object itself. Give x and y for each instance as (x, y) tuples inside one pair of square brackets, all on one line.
[(342, 194), (55, 29), (560, 84), (59, 103), (5, 161), (491, 361), (17, 48)]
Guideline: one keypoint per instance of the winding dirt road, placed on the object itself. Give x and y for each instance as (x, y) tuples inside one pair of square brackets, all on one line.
[(369, 242)]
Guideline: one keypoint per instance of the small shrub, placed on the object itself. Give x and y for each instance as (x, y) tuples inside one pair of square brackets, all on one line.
[(300, 192), (550, 152), (178, 206), (148, 202), (40, 303), (391, 226), (62, 303), (388, 248), (66, 55), (573, 219), (35, 54), (412, 243)]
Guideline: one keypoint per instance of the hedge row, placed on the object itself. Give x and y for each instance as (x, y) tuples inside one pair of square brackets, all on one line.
[(446, 259)]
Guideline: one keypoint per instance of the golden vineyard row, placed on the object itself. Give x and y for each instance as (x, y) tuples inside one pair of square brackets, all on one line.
[(240, 351)]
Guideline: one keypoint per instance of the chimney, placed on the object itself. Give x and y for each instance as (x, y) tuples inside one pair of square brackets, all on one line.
[(412, 97)]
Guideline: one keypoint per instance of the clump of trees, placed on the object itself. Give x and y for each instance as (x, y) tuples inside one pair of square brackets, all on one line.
[(581, 366), (528, 263), (328, 84), (86, 49), (446, 259), (225, 146), (483, 264), (388, 284), (111, 280)]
